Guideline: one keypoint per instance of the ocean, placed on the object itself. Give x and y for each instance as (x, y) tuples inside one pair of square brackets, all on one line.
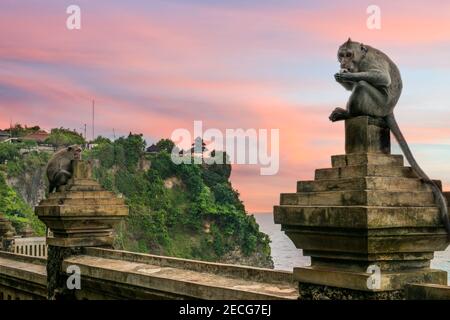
[(286, 256)]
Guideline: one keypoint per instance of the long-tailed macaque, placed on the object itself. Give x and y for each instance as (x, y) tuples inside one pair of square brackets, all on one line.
[(59, 167), (376, 85)]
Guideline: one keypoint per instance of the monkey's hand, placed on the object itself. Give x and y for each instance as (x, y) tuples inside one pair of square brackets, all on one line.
[(339, 114), (344, 77)]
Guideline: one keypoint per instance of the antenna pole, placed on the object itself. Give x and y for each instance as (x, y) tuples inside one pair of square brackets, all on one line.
[(93, 119)]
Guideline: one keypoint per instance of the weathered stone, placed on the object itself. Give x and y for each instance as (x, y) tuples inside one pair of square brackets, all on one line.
[(363, 183), (369, 219), (361, 171), (355, 159), (427, 292), (367, 135), (319, 292), (383, 198), (56, 278), (148, 276), (5, 226), (357, 280)]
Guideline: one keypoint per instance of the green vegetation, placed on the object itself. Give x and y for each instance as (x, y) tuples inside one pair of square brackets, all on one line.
[(14, 164), (200, 216), (64, 137), (18, 131), (187, 210)]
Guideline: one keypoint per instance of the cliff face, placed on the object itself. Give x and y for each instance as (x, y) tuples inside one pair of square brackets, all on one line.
[(258, 259), (30, 185), (22, 186)]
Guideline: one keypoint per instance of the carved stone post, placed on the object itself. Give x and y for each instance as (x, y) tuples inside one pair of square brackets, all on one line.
[(6, 233), (81, 214), (368, 223)]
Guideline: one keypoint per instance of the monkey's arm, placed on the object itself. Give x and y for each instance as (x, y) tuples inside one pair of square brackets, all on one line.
[(374, 77), (348, 85)]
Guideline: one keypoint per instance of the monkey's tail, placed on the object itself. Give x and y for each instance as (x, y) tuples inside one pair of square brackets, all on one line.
[(438, 196)]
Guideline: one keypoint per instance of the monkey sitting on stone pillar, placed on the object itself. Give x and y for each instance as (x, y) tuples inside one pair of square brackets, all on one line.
[(376, 85), (59, 168)]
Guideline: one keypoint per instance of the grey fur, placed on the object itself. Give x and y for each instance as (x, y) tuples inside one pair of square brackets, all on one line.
[(59, 167), (376, 86)]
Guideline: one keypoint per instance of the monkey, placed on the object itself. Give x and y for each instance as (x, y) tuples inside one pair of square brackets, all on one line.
[(376, 85), (59, 168)]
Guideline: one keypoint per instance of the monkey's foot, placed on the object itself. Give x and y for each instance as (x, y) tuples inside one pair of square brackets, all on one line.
[(339, 114)]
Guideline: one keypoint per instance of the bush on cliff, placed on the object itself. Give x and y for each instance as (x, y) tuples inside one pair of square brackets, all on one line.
[(202, 217)]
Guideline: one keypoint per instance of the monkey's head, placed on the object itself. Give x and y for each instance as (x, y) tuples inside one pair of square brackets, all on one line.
[(350, 55), (74, 152)]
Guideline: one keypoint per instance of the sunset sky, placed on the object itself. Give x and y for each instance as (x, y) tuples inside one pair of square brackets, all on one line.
[(155, 66)]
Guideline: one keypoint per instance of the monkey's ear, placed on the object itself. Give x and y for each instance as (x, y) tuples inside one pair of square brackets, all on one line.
[(363, 48), (349, 40)]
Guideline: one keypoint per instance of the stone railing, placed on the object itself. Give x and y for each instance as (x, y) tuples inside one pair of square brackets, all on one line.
[(112, 274), (32, 246), (22, 277)]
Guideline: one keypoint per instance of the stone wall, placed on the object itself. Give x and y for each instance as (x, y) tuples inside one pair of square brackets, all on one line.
[(112, 274)]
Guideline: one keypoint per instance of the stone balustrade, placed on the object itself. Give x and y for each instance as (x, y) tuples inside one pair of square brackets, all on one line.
[(31, 246), (112, 274)]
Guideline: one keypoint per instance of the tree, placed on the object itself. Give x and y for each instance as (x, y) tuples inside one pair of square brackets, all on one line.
[(165, 144), (101, 140), (8, 151), (19, 131), (64, 137), (133, 147)]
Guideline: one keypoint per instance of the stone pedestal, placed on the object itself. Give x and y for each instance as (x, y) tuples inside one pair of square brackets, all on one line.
[(6, 232), (5, 225), (368, 223), (367, 135), (80, 214), (83, 213)]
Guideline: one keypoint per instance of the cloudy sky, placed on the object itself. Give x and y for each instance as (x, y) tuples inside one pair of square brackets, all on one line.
[(155, 66)]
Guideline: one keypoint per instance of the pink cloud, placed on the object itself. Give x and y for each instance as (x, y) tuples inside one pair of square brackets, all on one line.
[(154, 72)]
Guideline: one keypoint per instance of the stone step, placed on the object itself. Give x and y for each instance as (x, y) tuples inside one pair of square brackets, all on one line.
[(357, 217), (364, 171), (366, 183), (84, 182), (80, 211), (81, 194), (366, 158), (83, 202), (85, 188), (354, 198)]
